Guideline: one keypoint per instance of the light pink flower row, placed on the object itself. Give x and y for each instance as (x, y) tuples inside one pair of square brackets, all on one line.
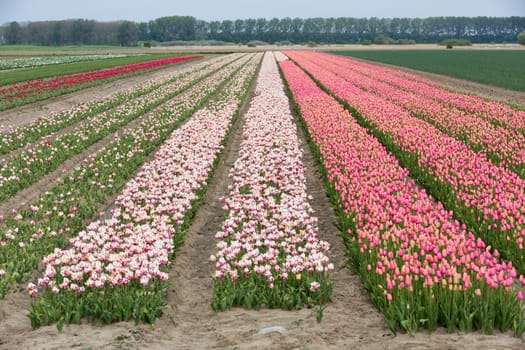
[(148, 129), (12, 134), (49, 150), (136, 242), (270, 228)]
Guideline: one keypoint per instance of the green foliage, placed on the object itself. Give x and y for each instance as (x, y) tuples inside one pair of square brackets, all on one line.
[(521, 38), (385, 40), (405, 42), (366, 42), (339, 30), (503, 68), (382, 40), (455, 42), (252, 292)]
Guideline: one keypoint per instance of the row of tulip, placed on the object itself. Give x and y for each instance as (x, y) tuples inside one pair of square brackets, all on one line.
[(34, 90), (489, 199), (499, 144), (26, 167), (421, 267), (12, 138), (29, 234), (496, 112), (116, 268), (28, 62), (269, 253)]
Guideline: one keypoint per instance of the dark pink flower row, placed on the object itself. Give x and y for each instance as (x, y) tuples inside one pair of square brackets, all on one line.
[(390, 209), (494, 193), (490, 110), (505, 144), (408, 245)]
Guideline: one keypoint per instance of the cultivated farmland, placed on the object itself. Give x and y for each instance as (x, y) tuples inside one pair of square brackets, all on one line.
[(290, 199), (503, 68)]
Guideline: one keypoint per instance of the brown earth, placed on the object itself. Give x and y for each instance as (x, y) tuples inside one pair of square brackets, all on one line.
[(350, 321)]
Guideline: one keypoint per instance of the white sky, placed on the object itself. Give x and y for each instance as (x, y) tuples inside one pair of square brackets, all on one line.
[(142, 11)]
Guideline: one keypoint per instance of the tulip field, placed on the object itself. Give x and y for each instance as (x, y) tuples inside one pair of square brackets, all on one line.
[(269, 252), (427, 187), (38, 89)]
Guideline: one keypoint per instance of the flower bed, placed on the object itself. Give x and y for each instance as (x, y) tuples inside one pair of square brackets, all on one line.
[(25, 92), (27, 62), (116, 268), (12, 138), (28, 235), (46, 155), (498, 143), (421, 268), (489, 199), (269, 253)]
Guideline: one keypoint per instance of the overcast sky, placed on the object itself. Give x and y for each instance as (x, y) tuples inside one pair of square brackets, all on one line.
[(145, 10)]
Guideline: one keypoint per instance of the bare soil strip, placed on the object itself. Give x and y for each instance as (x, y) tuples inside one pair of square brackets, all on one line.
[(25, 114)]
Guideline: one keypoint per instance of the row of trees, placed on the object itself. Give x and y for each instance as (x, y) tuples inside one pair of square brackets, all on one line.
[(295, 30), (70, 32)]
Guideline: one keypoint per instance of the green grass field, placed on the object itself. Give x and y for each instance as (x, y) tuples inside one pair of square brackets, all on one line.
[(19, 75), (503, 68)]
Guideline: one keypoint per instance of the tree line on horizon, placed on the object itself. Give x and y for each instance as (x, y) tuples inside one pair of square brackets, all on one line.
[(341, 30)]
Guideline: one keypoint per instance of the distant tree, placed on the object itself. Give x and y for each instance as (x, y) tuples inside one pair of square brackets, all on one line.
[(521, 38), (383, 40), (14, 34), (226, 30), (173, 28), (143, 29), (296, 30), (82, 31), (128, 33), (56, 35)]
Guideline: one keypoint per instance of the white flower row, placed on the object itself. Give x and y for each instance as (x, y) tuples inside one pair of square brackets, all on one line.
[(136, 242), (48, 60), (270, 229)]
